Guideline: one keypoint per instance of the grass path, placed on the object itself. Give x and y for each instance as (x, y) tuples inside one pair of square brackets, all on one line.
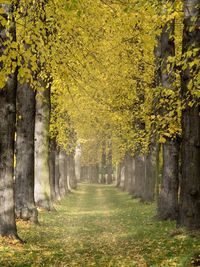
[(99, 226)]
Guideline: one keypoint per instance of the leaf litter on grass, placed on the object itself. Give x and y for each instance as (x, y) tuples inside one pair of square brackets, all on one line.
[(100, 226)]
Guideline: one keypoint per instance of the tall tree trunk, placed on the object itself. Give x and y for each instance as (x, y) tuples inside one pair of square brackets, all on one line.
[(168, 198), (150, 175), (57, 175), (122, 174), (157, 189), (63, 171), (128, 163), (139, 176), (52, 168), (78, 163), (118, 173), (24, 174), (42, 180), (189, 215), (7, 132), (72, 173)]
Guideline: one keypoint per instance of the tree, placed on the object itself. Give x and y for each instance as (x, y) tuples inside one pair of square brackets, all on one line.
[(189, 215), (7, 120), (168, 198), (42, 177), (24, 173)]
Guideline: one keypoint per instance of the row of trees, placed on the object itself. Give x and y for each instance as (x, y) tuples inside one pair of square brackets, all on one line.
[(142, 98), (34, 170), (121, 79), (178, 197)]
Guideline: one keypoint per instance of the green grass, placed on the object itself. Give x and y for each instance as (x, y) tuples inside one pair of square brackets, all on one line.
[(100, 226)]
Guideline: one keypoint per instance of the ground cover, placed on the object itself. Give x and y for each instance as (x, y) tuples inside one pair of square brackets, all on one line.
[(98, 225)]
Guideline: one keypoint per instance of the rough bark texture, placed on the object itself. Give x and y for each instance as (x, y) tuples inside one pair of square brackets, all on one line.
[(7, 131), (42, 183), (168, 198), (24, 174), (189, 215)]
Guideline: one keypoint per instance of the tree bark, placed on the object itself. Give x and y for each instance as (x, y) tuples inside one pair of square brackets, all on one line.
[(189, 215), (168, 198), (24, 174), (52, 168), (78, 163), (63, 173), (150, 175), (72, 173), (42, 180), (122, 174), (128, 182), (7, 132), (57, 175), (118, 174), (139, 176)]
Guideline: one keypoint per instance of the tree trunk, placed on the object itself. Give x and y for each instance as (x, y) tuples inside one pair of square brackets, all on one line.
[(150, 175), (72, 174), (42, 180), (118, 174), (109, 164), (128, 163), (7, 132), (78, 163), (24, 174), (52, 168), (57, 175), (157, 189), (189, 215), (139, 176), (63, 171), (168, 198), (122, 176), (103, 163)]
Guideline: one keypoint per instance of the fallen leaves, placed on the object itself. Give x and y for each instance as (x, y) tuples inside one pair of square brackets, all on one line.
[(100, 226)]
